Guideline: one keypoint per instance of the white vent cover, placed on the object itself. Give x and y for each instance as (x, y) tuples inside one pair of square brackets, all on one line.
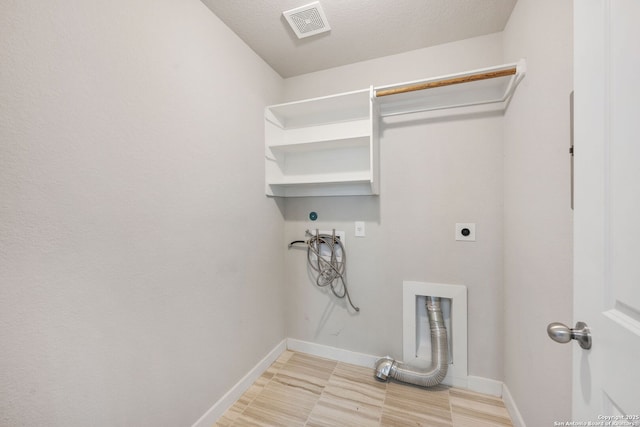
[(307, 20)]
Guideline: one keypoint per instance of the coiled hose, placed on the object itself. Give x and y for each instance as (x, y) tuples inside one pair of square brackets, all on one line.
[(329, 268)]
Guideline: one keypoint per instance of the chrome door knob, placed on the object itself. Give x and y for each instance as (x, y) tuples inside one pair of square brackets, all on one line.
[(561, 333)]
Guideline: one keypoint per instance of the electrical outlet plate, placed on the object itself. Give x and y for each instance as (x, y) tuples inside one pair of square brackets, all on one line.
[(470, 233)]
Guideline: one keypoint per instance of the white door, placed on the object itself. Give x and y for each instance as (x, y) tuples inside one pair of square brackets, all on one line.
[(606, 378)]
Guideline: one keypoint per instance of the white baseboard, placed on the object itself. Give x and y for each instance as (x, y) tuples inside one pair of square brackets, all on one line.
[(230, 397), (333, 353), (477, 384), (485, 385), (512, 408)]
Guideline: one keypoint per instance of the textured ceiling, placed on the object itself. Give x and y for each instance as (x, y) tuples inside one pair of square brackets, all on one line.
[(360, 29)]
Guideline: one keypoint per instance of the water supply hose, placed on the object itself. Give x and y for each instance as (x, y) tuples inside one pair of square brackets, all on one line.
[(330, 270)]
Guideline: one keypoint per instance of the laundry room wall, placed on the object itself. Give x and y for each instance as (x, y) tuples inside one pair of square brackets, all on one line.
[(538, 215), (434, 172), (140, 261)]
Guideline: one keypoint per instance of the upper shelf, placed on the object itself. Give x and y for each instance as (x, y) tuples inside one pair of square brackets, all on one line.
[(493, 85), (329, 146), (316, 111)]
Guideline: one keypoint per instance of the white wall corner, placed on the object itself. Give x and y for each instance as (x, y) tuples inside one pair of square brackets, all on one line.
[(230, 397), (516, 418)]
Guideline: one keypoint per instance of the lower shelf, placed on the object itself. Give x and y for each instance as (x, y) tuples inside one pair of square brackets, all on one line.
[(338, 188)]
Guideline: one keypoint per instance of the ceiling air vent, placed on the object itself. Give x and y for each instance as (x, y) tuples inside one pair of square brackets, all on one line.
[(307, 20)]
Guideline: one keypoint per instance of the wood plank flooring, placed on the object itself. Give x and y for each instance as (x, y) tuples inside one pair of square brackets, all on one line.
[(303, 390)]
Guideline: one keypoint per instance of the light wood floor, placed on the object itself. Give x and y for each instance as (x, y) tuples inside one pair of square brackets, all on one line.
[(303, 390)]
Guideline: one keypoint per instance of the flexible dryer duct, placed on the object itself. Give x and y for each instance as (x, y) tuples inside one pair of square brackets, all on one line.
[(387, 367)]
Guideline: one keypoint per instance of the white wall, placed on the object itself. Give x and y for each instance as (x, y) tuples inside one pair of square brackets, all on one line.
[(538, 218), (138, 281), (446, 58), (434, 173), (138, 252)]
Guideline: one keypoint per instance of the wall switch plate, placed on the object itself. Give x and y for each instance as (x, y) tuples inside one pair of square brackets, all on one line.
[(466, 231), (359, 229)]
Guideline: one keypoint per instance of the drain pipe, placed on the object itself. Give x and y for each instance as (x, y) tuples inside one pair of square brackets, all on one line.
[(387, 367)]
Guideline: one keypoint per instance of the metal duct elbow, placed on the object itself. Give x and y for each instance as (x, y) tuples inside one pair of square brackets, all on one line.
[(387, 367)]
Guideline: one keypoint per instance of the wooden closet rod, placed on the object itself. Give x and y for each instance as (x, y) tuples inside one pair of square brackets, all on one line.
[(447, 82)]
